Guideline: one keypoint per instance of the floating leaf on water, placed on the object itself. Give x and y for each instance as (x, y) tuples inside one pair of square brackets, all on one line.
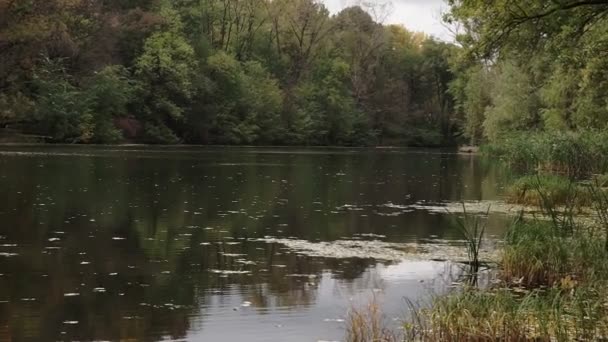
[(245, 262), (373, 235), (379, 250), (227, 272), (395, 206)]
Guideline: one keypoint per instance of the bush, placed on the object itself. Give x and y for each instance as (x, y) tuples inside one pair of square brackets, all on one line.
[(159, 134)]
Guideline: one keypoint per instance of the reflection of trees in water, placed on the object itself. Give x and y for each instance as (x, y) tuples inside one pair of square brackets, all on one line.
[(161, 208)]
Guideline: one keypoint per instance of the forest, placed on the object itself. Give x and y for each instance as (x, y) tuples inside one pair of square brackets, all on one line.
[(258, 72), (530, 67), (282, 72)]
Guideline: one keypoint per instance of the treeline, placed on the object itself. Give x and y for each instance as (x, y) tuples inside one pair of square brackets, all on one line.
[(220, 72), (531, 66)]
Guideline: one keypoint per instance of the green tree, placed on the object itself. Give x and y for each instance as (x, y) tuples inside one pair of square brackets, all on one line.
[(62, 111), (165, 71), (329, 102), (108, 93), (515, 104)]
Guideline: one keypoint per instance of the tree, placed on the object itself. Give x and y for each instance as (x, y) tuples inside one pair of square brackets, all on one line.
[(108, 93), (329, 102), (515, 105), (61, 109), (524, 26), (229, 72), (165, 70)]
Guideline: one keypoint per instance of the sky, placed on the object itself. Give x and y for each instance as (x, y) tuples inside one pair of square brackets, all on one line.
[(415, 15)]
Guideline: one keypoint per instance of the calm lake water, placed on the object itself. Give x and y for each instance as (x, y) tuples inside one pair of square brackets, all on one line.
[(221, 244)]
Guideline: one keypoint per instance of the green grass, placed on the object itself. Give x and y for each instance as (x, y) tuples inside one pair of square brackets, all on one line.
[(535, 190), (554, 287), (505, 315), (472, 228), (576, 155), (534, 255)]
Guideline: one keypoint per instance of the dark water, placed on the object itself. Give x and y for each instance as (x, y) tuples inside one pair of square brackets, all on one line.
[(169, 243)]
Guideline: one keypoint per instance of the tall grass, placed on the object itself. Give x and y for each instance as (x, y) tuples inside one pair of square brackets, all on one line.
[(536, 190), (368, 325), (600, 204), (553, 276), (472, 228), (554, 287), (571, 154), (503, 315)]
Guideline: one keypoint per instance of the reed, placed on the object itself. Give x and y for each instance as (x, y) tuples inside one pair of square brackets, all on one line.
[(505, 315), (575, 155), (368, 325), (472, 228)]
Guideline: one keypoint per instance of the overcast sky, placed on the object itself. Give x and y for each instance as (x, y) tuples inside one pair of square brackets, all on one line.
[(416, 15)]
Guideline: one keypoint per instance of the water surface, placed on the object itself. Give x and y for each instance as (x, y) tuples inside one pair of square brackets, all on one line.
[(152, 243)]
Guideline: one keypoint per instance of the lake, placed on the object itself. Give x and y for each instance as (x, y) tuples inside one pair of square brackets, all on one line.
[(224, 244)]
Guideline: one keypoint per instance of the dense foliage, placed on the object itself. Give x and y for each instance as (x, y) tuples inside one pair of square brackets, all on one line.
[(530, 66), (220, 72)]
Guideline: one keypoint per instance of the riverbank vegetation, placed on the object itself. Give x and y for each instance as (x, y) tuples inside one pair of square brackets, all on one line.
[(551, 286), (531, 84), (221, 72)]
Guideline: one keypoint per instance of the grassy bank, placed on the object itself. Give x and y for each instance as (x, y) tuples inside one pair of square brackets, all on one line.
[(553, 288), (553, 280), (552, 275), (552, 284), (575, 155), (534, 190)]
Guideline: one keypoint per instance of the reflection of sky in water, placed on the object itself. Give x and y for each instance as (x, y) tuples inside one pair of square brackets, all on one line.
[(105, 243), (224, 319)]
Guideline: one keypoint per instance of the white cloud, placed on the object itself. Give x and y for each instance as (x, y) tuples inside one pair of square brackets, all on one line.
[(416, 15)]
